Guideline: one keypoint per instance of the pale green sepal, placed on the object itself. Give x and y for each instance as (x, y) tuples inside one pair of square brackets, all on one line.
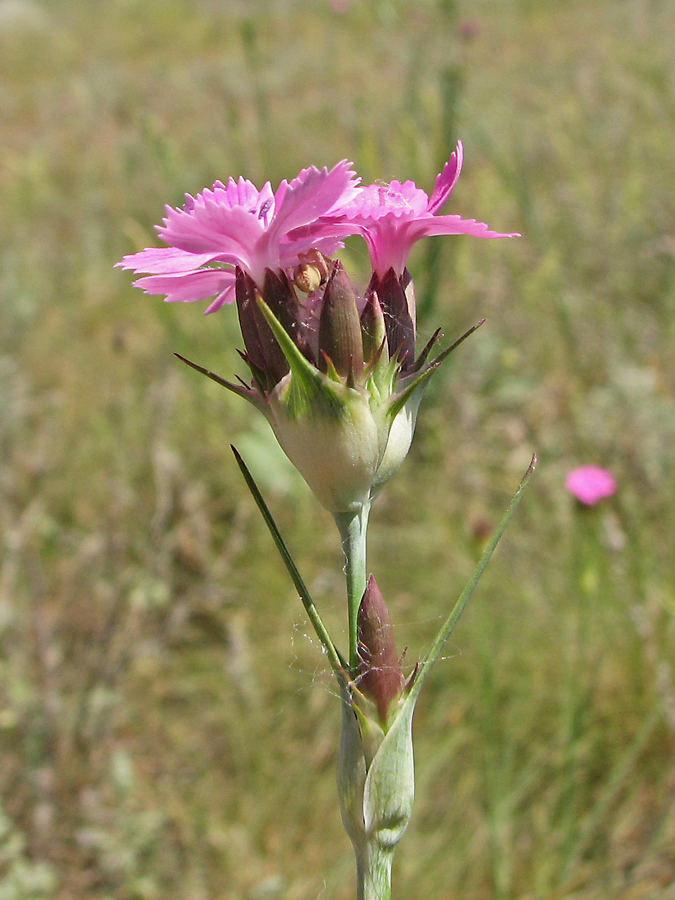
[(449, 625), (399, 439), (337, 456), (351, 772), (381, 379), (373, 858), (372, 733), (239, 389), (390, 783), (308, 390)]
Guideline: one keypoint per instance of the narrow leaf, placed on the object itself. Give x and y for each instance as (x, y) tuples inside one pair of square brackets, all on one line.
[(334, 656), (449, 624)]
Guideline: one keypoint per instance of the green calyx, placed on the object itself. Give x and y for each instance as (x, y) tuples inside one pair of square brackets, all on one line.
[(325, 425)]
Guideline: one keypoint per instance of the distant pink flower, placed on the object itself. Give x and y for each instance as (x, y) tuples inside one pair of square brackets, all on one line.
[(590, 484), (393, 217), (236, 225)]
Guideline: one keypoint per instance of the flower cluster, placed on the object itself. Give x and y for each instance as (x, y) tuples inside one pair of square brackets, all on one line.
[(334, 371)]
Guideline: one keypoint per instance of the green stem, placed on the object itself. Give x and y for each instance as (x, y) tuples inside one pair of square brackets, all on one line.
[(353, 527), (373, 872)]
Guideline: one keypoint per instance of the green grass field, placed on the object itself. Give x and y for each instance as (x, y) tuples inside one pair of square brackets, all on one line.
[(168, 724)]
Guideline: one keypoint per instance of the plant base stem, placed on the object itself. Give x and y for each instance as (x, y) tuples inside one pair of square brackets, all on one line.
[(373, 872)]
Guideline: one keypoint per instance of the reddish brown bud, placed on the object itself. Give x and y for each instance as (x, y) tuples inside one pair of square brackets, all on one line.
[(279, 295), (339, 327), (379, 674)]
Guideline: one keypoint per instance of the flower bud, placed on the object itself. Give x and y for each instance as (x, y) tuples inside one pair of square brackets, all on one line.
[(280, 297), (380, 677), (342, 394), (339, 327), (326, 427)]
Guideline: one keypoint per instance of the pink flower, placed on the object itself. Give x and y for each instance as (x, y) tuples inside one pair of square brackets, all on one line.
[(236, 225), (393, 217), (590, 484)]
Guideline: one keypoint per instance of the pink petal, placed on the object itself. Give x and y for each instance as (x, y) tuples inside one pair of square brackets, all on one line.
[(391, 238), (227, 296), (187, 287), (426, 226), (447, 180), (395, 199), (160, 260), (241, 193), (229, 233), (389, 244), (312, 194)]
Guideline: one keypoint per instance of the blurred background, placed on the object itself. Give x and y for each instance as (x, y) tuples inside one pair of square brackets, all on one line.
[(168, 724)]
